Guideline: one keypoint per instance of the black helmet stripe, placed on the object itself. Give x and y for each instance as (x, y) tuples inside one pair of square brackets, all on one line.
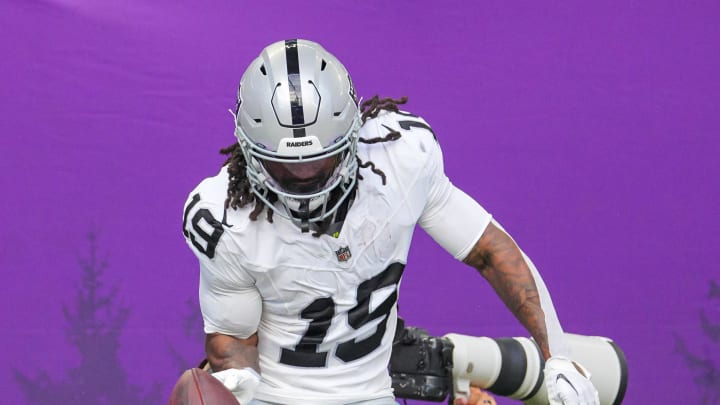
[(294, 87)]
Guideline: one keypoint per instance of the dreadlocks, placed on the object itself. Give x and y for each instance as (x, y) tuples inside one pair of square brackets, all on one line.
[(239, 192), (370, 109)]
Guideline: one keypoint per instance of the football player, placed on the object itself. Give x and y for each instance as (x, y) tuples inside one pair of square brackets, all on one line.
[(303, 236)]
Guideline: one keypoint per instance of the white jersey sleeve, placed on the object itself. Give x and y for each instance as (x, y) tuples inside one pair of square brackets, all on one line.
[(452, 218), (228, 307), (229, 300)]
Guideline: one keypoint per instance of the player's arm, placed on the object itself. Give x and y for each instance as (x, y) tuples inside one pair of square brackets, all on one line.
[(225, 352), (229, 301), (518, 283), (231, 308), (460, 225), (501, 263), (467, 231)]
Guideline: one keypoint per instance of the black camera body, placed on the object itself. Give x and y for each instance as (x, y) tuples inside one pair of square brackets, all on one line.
[(421, 365)]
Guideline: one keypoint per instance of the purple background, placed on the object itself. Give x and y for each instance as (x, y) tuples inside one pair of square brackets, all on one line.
[(589, 130)]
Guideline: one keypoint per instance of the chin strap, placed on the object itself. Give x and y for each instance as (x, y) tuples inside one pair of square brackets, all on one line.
[(304, 214)]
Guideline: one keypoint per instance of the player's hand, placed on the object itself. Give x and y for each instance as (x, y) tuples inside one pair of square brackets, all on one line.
[(241, 383), (477, 397), (568, 383)]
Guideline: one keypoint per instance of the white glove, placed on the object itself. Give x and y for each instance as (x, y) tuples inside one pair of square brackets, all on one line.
[(241, 383), (568, 383)]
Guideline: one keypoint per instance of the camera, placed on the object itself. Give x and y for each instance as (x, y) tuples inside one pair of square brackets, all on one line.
[(421, 365)]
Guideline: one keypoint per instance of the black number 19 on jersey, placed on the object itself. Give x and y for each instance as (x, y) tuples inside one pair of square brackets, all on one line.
[(320, 313)]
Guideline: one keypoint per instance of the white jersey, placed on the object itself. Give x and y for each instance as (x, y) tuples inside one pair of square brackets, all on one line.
[(324, 308)]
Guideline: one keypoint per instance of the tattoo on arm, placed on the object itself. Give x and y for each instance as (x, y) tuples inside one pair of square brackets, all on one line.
[(499, 260), (224, 352)]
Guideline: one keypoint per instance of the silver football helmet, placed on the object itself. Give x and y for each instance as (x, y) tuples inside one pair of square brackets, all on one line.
[(297, 122)]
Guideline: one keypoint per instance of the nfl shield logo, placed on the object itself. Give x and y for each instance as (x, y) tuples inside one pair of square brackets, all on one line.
[(343, 254)]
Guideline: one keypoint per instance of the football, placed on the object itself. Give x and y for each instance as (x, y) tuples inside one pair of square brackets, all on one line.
[(198, 387)]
